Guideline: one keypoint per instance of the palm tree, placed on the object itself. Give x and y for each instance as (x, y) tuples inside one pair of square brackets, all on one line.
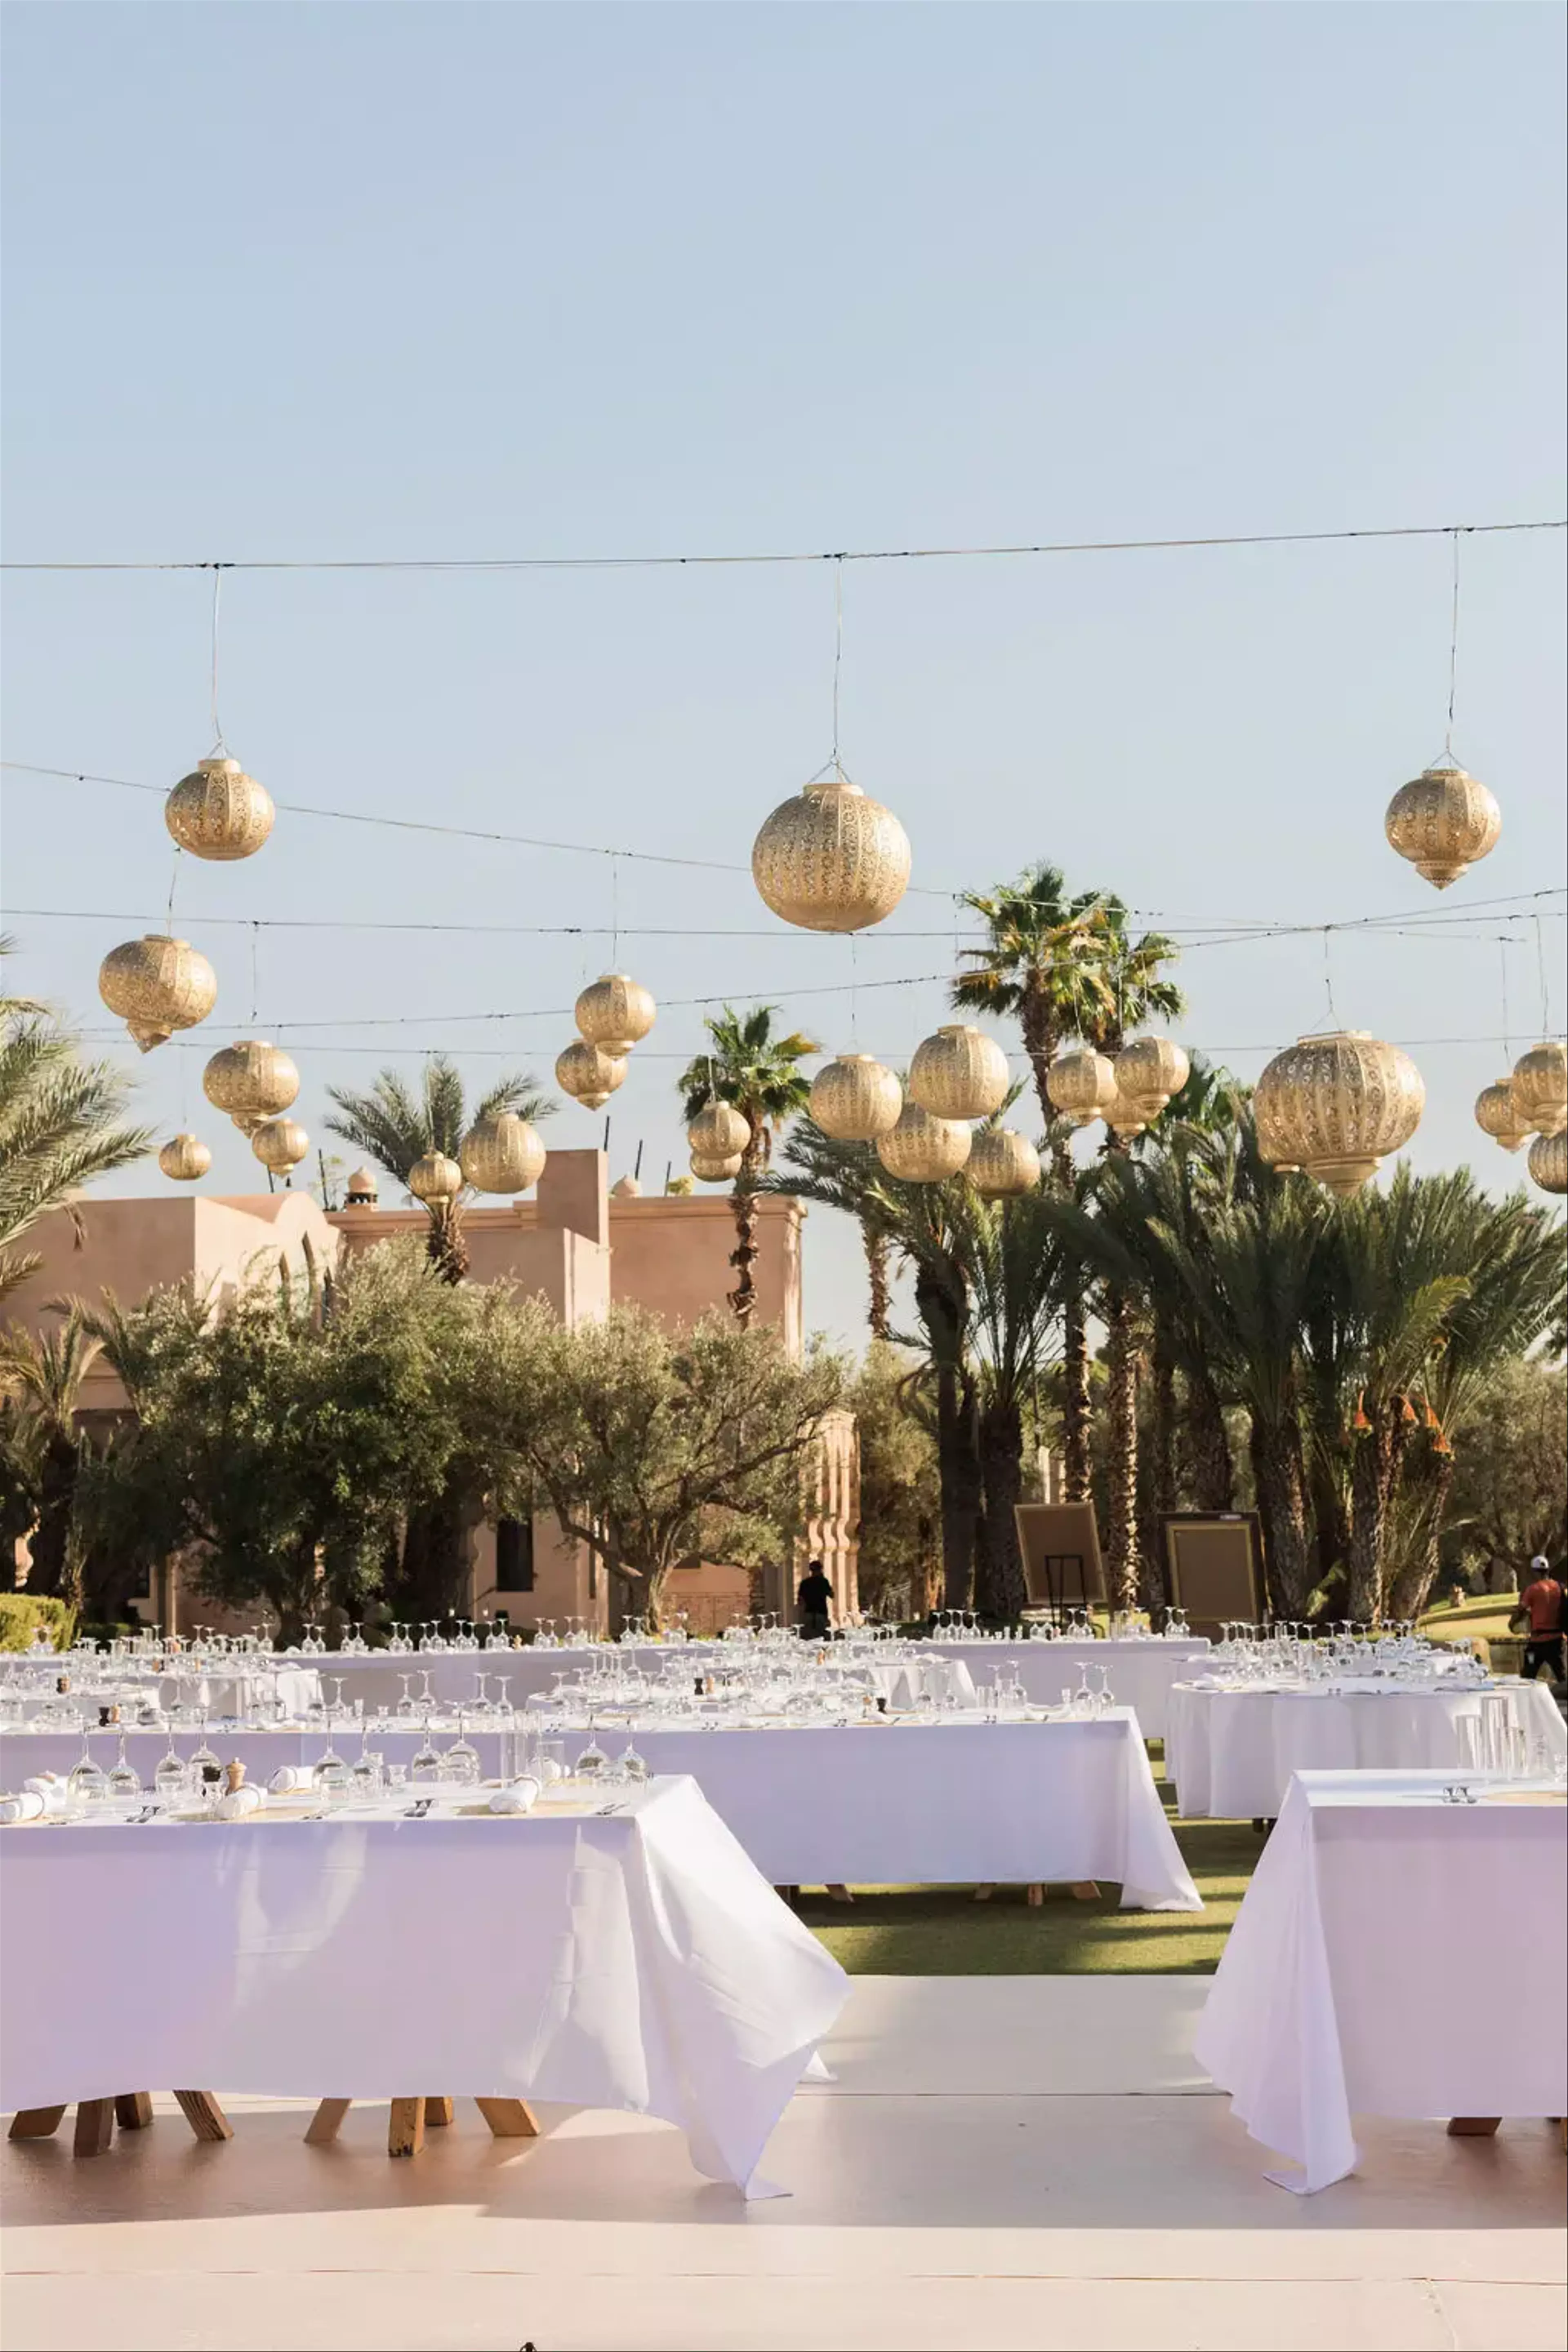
[(44, 1373), (394, 1127), (758, 1074), (847, 1173)]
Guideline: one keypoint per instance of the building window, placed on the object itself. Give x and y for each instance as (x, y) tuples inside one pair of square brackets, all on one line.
[(514, 1555)]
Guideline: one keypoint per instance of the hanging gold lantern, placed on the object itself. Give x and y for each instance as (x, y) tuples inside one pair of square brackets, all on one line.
[(250, 1081), (185, 1159), (718, 1132), (961, 1073), (1149, 1071), (281, 1144), (500, 1154), (434, 1178), (922, 1148), (156, 985), (219, 812), (1443, 820), (616, 1012), (715, 1168), (1549, 1161), (1125, 1119), (1337, 1105), (855, 1099), (1540, 1087), (1496, 1116), (588, 1073), (1001, 1163), (830, 860), (1080, 1085)]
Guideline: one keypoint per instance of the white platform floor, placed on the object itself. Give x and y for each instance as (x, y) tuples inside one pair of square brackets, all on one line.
[(1002, 2162)]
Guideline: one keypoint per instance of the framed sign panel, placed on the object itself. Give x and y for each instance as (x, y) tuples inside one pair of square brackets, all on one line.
[(1214, 1561), (1061, 1544)]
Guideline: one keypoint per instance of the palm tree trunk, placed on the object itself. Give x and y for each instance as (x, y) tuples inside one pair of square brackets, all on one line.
[(1005, 1594), (1076, 1407), (1121, 1448), (56, 1569), (447, 1248), (1369, 1493), (1213, 1472), (1283, 1505), (743, 1204), (1412, 1586), (1163, 1467), (876, 1255)]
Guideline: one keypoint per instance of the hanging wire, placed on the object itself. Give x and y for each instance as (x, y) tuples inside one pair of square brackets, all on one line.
[(1329, 976), (173, 878), (615, 914), (837, 651), (1545, 984), (1453, 651), (219, 746), (254, 974), (1503, 945)]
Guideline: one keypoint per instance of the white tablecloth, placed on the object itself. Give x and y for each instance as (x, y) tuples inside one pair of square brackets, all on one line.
[(638, 1962), (298, 1687), (1142, 1673), (1231, 1753), (1342, 1991)]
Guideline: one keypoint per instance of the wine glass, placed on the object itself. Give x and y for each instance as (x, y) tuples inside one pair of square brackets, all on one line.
[(366, 1767), (425, 1762), (206, 1772), (461, 1760), (592, 1763), (88, 1783), (406, 1708), (632, 1766), (124, 1780), (170, 1776)]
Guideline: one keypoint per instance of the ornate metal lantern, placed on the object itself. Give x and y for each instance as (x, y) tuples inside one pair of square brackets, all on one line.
[(500, 1154), (1540, 1087), (1549, 1161), (715, 1168), (1125, 1119), (718, 1132), (961, 1073), (185, 1158), (831, 859), (1443, 820), (1496, 1116), (855, 1099), (588, 1073), (281, 1144), (922, 1148), (1337, 1105), (156, 985), (1081, 1084), (219, 812), (1002, 1163), (1149, 1071), (616, 1012), (250, 1081), (434, 1178)]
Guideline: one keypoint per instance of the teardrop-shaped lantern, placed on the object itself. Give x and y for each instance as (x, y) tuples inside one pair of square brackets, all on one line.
[(1337, 1105), (1124, 1118), (185, 1159), (1080, 1085), (1496, 1116), (855, 1099), (715, 1168), (281, 1144), (588, 1073), (1443, 820), (156, 985), (616, 1012), (1540, 1087), (718, 1132), (1149, 1071), (831, 859), (434, 1179), (502, 1153), (961, 1073), (250, 1081), (219, 812), (1001, 1164), (922, 1148), (1549, 1161)]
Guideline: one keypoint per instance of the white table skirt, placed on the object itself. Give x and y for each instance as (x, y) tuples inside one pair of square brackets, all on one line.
[(638, 1962), (883, 1804), (1141, 1673), (1231, 1753), (297, 1687), (1335, 1994)]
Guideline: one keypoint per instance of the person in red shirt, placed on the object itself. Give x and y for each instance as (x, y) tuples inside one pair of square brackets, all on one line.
[(1542, 1603)]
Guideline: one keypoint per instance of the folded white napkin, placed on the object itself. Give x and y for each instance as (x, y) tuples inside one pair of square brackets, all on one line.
[(236, 1803), (52, 1787), (515, 1797), (28, 1807), (290, 1778)]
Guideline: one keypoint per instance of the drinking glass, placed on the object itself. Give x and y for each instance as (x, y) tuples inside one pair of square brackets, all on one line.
[(405, 1707), (593, 1760), (461, 1760), (206, 1772), (124, 1780), (169, 1778), (88, 1783), (426, 1764)]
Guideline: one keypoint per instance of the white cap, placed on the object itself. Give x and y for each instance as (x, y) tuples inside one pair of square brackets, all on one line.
[(1542, 1562)]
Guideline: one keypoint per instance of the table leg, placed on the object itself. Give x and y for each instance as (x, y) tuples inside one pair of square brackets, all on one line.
[(1086, 1890), (94, 2127), (133, 2110), (406, 2130), (438, 2111), (1473, 2126), (204, 2114), (509, 2118), (36, 2123), (326, 2122), (1034, 1895)]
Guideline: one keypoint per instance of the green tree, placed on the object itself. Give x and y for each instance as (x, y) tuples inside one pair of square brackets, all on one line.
[(900, 1533), (1508, 1496), (43, 1374), (758, 1075)]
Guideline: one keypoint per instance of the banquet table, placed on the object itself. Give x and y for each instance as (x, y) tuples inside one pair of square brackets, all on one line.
[(636, 1961), (891, 1803), (1372, 1901), (1231, 1753), (291, 1689), (1141, 1673)]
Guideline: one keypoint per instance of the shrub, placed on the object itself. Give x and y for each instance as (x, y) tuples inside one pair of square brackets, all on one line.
[(21, 1614)]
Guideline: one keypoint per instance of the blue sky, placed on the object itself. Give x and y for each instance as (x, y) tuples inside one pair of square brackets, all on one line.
[(448, 280)]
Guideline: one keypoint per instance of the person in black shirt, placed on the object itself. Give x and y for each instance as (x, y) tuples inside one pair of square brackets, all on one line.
[(814, 1603)]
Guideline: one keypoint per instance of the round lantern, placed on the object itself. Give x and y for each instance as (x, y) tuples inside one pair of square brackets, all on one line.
[(922, 1148), (588, 1073), (434, 1178), (614, 1013), (219, 812), (1124, 1118), (281, 1144), (1496, 1116), (855, 1099), (185, 1158), (831, 859), (1337, 1105), (1149, 1072), (1549, 1161), (250, 1081), (961, 1073), (1001, 1163), (718, 1132), (1540, 1087), (500, 1154), (1080, 1085), (1443, 820), (157, 985), (715, 1168)]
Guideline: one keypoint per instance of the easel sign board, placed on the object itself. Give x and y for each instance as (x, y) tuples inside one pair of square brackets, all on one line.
[(1061, 1544), (1215, 1568)]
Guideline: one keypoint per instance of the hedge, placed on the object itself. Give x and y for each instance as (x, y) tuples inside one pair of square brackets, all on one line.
[(21, 1614)]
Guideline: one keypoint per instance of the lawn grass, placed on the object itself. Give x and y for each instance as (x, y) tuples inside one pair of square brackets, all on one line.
[(1487, 1616)]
